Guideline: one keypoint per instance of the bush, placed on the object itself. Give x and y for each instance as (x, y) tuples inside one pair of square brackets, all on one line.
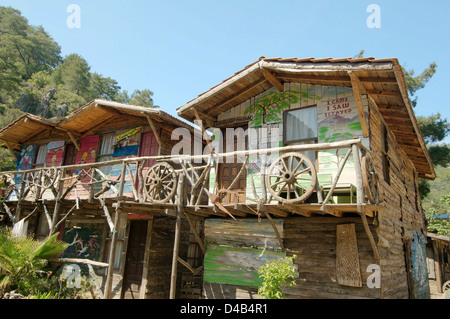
[(275, 275), (24, 263)]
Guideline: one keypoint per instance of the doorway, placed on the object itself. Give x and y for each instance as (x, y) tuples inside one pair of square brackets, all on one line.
[(134, 261), (229, 169)]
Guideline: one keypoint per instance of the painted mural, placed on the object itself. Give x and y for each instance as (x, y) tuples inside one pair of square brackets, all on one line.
[(337, 120), (83, 242), (236, 249), (26, 157), (55, 153), (419, 266), (127, 143)]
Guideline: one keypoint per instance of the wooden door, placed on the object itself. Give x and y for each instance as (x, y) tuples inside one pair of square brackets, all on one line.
[(70, 154), (229, 169), (134, 261)]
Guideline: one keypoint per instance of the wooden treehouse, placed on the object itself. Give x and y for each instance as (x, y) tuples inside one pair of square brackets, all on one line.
[(317, 158)]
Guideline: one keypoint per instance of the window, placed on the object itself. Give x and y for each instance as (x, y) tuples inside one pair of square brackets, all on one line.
[(105, 154), (384, 154), (41, 156), (300, 127)]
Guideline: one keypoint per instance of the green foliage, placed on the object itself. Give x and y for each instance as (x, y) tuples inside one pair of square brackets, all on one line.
[(414, 83), (276, 275), (270, 107), (433, 128), (138, 97), (35, 78), (22, 259)]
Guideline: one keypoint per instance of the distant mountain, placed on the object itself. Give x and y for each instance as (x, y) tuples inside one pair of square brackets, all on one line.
[(337, 119)]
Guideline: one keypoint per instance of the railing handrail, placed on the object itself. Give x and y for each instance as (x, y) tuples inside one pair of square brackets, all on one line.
[(291, 148)]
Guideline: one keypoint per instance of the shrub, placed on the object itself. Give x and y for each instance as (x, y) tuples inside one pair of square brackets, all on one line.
[(275, 276)]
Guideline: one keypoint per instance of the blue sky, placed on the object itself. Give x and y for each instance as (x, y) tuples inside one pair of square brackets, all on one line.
[(179, 49)]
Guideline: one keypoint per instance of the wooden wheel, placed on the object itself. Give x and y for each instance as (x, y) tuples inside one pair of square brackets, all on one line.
[(370, 178), (291, 178), (160, 183), (48, 177), (446, 286)]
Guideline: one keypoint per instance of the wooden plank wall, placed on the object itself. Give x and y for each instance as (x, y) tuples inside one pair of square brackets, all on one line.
[(314, 241), (403, 216), (160, 257)]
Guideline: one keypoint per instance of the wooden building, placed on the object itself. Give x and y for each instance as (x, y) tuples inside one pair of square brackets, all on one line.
[(78, 176), (438, 259), (337, 185), (317, 158)]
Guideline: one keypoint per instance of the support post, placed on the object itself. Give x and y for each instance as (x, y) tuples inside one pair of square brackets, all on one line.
[(176, 242), (359, 181), (112, 255), (58, 202)]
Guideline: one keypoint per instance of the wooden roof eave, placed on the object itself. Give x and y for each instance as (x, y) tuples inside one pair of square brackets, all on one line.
[(386, 84), (431, 174)]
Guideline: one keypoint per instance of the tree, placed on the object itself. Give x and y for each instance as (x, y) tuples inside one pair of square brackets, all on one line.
[(29, 48), (138, 97)]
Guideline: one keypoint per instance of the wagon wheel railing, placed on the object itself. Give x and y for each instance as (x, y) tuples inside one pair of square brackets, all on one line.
[(292, 175)]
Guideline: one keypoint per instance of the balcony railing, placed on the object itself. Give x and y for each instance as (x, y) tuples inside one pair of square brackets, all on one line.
[(286, 177)]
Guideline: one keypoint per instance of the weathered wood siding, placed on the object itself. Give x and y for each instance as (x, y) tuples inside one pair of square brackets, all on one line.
[(160, 257), (403, 216), (314, 241)]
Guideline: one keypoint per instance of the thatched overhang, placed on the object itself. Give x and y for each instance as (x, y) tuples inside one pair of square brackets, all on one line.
[(381, 79), (95, 116), (28, 129)]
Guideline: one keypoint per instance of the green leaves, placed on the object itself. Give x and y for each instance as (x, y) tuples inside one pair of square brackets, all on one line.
[(269, 108), (276, 275), (21, 258)]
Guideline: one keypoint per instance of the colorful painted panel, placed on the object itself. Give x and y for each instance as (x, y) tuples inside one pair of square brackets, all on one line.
[(236, 249), (88, 149), (55, 153), (26, 157), (419, 267), (235, 265), (127, 142)]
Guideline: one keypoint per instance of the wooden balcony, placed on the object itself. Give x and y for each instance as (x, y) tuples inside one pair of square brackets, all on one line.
[(290, 185)]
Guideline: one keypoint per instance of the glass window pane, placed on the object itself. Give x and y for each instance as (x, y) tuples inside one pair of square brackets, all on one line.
[(301, 124)]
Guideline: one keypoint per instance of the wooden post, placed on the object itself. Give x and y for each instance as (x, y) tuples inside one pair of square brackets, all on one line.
[(359, 181), (57, 202), (112, 255), (437, 266), (20, 197), (122, 181), (360, 201), (176, 242), (144, 279)]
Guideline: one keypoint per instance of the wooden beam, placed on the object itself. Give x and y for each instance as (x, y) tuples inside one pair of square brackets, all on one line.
[(357, 91), (272, 80), (323, 78), (144, 279), (155, 132), (238, 94), (74, 140), (112, 256), (176, 242)]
